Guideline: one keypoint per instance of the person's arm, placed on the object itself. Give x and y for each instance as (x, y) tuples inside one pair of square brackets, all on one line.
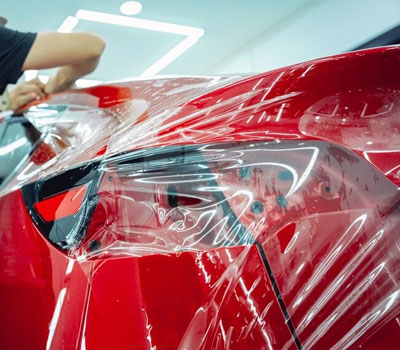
[(67, 75), (77, 54)]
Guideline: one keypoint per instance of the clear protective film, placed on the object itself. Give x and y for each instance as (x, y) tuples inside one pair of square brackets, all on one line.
[(218, 213)]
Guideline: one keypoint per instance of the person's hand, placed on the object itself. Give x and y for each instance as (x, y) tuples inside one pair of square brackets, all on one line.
[(26, 92)]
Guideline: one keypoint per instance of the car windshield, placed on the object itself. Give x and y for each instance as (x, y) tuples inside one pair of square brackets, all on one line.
[(18, 137)]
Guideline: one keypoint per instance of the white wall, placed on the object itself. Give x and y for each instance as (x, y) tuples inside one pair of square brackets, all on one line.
[(331, 27)]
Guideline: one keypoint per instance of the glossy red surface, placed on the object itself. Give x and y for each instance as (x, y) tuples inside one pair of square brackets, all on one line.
[(61, 205), (306, 157)]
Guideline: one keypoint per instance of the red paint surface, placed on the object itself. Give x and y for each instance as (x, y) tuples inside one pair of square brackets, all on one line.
[(223, 298), (61, 205)]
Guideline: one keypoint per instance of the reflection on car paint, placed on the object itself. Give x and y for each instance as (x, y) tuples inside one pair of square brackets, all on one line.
[(242, 212)]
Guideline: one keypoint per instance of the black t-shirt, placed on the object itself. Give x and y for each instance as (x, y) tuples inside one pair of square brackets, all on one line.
[(14, 47)]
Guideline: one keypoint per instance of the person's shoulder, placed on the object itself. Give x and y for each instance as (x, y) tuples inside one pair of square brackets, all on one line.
[(7, 32), (10, 36)]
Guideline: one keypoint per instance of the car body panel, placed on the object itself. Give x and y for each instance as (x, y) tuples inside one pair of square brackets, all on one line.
[(208, 212)]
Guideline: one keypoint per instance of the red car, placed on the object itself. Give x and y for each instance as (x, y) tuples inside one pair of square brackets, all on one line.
[(246, 212)]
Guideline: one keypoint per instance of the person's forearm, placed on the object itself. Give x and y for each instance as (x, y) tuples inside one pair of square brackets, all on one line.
[(67, 75)]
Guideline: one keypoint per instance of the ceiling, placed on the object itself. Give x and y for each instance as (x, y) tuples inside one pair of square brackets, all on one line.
[(239, 36)]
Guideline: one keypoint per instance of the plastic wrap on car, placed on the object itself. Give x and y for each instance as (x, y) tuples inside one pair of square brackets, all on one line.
[(257, 212)]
